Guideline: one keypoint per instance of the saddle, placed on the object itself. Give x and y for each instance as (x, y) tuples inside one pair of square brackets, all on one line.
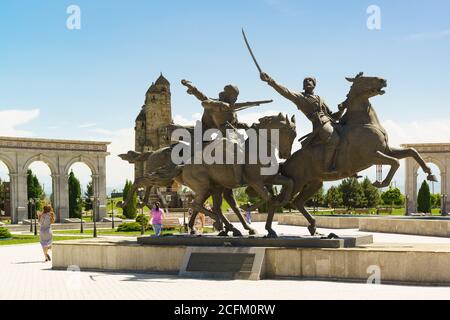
[(311, 138)]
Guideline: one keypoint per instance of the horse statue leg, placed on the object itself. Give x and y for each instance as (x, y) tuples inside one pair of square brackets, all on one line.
[(229, 197), (383, 159), (402, 153), (307, 192), (217, 204), (285, 195)]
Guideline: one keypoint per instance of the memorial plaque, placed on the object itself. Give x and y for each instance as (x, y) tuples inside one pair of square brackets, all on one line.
[(223, 263)]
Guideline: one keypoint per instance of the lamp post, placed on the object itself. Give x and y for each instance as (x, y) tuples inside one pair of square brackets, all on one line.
[(81, 217), (141, 205), (315, 204), (112, 213), (406, 205), (444, 204), (183, 200), (94, 214), (35, 216), (30, 210)]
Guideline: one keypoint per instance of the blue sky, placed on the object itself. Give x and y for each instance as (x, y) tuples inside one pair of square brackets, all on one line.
[(90, 83)]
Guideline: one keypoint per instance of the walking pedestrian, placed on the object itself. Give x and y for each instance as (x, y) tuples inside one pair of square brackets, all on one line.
[(157, 217), (46, 218), (248, 213)]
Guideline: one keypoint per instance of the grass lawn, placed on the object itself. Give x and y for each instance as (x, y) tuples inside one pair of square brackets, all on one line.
[(395, 212), (24, 239)]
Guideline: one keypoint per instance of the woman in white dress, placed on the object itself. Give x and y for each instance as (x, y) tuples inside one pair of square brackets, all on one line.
[(46, 219)]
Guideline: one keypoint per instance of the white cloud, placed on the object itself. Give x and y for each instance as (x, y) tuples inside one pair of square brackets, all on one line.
[(87, 125), (431, 131), (180, 120), (435, 35), (104, 132), (11, 119)]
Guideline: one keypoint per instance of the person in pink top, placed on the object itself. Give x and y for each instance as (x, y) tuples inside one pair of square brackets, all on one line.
[(157, 217)]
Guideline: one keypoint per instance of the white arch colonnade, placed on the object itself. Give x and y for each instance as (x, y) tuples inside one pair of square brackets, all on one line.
[(19, 153), (436, 153)]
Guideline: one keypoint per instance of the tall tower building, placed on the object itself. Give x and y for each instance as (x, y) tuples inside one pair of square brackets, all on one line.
[(152, 129)]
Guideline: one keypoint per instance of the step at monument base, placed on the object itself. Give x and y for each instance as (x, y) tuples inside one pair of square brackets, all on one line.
[(283, 241)]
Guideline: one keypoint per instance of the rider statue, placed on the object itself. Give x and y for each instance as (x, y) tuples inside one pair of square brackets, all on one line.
[(318, 113), (221, 113)]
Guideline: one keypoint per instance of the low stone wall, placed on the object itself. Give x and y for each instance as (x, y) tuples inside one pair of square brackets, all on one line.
[(321, 222), (396, 264), (436, 228), (389, 224), (421, 264), (113, 256)]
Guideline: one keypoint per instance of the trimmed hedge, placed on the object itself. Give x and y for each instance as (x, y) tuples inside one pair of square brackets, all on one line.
[(142, 219), (129, 227), (4, 233)]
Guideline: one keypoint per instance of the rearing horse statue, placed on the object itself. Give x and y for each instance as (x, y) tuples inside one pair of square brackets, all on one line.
[(363, 143)]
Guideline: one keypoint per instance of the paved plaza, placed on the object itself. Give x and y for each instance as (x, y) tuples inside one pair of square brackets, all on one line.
[(25, 276)]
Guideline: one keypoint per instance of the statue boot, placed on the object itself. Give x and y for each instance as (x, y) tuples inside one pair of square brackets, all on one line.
[(329, 165)]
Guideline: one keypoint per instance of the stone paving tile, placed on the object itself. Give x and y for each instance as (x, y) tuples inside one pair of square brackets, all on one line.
[(24, 275)]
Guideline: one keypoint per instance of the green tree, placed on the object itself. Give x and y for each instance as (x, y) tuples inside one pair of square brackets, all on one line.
[(75, 205), (436, 200), (424, 198), (392, 197), (317, 200), (352, 193), (130, 210), (333, 197), (254, 198), (88, 194), (240, 195), (34, 188), (2, 195), (371, 193)]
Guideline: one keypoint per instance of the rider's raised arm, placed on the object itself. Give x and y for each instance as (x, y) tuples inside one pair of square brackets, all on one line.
[(285, 92), (194, 91)]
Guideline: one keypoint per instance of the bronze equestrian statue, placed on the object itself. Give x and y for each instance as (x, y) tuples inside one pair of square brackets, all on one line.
[(204, 179), (363, 143)]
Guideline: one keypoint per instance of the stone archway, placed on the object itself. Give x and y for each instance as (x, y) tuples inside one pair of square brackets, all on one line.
[(7, 163), (439, 155), (59, 155)]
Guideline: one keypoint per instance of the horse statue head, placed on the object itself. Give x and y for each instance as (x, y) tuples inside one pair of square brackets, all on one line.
[(286, 128), (366, 87)]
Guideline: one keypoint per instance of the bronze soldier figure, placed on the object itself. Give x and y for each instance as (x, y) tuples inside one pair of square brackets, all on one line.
[(221, 113), (318, 113)]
